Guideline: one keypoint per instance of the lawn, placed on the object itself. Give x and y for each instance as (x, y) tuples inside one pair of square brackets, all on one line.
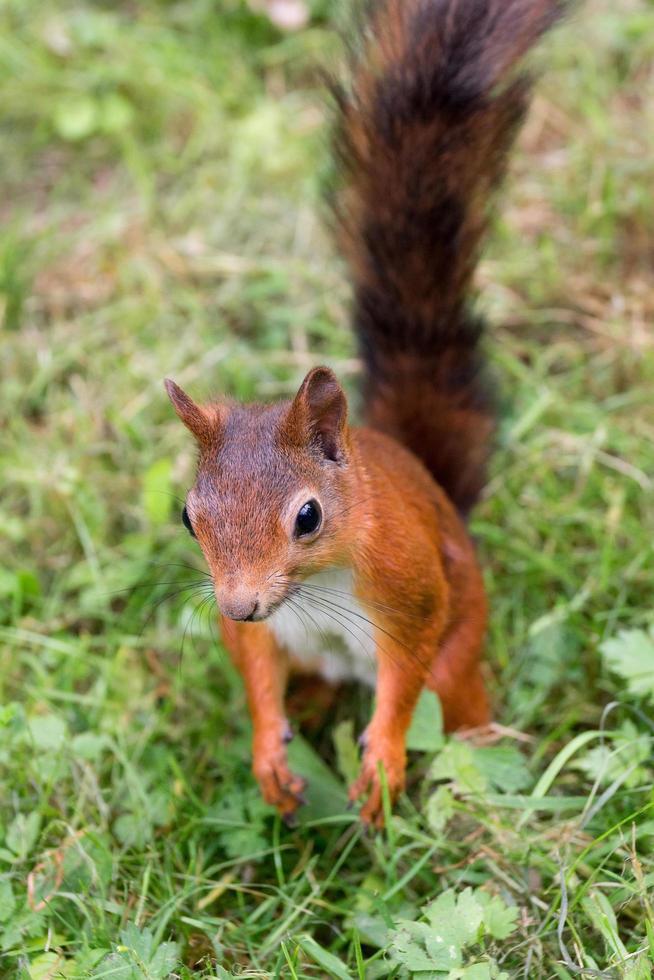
[(162, 172)]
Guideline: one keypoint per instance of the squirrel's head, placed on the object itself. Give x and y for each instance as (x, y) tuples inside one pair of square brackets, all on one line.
[(273, 493)]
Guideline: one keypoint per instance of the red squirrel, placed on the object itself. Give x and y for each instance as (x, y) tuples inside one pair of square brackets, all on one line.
[(344, 550)]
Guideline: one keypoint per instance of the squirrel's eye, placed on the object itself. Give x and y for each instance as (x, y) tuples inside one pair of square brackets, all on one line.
[(308, 519), (186, 520)]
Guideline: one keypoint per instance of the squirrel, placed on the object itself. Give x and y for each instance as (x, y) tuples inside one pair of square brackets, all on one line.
[(344, 550)]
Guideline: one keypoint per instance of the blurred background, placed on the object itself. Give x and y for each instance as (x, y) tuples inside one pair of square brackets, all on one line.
[(161, 215)]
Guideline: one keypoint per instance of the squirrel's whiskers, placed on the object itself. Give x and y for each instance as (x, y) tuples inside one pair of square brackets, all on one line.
[(344, 550)]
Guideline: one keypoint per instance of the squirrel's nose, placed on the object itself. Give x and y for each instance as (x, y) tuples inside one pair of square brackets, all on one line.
[(239, 607)]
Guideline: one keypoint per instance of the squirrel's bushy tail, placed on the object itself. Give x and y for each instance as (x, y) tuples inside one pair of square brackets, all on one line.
[(434, 104)]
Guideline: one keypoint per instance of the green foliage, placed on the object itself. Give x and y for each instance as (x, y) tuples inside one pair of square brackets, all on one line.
[(426, 730), (162, 164), (623, 757), (139, 957), (454, 924), (476, 769), (333, 966), (631, 655)]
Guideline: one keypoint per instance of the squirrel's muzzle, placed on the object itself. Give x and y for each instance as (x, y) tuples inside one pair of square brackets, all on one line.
[(241, 606)]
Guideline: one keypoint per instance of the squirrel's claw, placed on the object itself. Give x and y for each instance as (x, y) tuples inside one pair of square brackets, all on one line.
[(290, 819), (279, 786), (287, 734), (369, 784)]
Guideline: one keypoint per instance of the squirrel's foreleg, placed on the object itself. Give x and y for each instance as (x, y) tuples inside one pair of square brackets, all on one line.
[(401, 676), (264, 668)]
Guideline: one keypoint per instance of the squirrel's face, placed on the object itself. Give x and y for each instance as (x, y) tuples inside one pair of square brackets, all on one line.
[(273, 494)]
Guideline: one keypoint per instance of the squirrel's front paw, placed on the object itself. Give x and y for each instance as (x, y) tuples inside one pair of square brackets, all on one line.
[(279, 786), (369, 781)]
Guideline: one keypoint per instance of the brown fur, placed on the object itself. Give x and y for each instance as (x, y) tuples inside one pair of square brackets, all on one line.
[(423, 137), (386, 519)]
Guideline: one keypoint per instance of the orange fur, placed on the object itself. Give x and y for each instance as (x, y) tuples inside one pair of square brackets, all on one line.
[(435, 100), (387, 520)]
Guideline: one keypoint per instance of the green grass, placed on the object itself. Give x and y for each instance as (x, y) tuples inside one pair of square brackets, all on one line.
[(160, 205)]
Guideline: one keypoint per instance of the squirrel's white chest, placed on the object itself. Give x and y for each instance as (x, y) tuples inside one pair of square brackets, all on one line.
[(327, 628)]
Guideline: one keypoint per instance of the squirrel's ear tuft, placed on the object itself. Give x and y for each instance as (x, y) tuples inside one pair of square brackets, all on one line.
[(204, 423), (319, 411)]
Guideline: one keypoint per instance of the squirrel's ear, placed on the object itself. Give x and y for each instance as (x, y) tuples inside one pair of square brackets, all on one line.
[(319, 410), (204, 423)]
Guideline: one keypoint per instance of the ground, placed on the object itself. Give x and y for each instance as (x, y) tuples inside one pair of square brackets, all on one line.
[(160, 216)]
